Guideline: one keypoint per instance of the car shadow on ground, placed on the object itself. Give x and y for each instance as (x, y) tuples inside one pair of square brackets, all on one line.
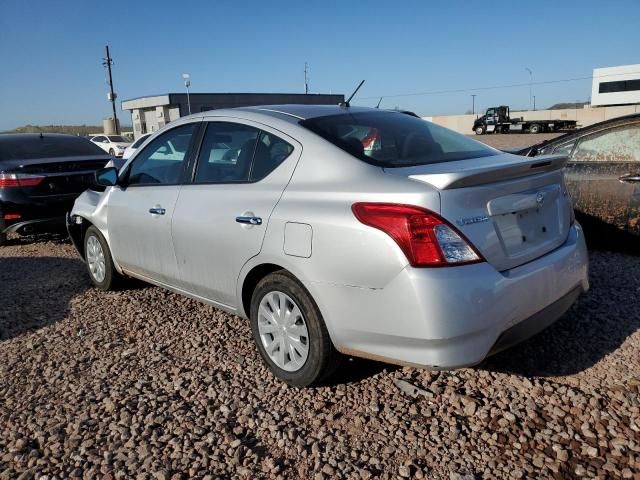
[(601, 235), (36, 292), (354, 370), (598, 324)]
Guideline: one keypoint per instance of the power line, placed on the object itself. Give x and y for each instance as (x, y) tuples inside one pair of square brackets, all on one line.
[(495, 87)]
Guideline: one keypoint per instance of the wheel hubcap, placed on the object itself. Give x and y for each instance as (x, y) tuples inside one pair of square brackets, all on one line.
[(283, 331), (95, 259)]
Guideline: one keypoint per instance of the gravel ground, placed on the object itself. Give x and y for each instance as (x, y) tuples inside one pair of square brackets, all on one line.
[(142, 383), (514, 140)]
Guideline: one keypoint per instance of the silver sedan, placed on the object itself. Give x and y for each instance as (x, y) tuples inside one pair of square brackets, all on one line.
[(341, 231)]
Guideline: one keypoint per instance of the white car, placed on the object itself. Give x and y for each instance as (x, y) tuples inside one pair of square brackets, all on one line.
[(134, 146), (114, 145)]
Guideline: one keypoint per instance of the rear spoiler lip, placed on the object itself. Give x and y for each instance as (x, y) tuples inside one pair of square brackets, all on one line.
[(472, 172)]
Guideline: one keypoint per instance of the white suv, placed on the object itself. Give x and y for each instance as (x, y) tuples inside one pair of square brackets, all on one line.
[(114, 145)]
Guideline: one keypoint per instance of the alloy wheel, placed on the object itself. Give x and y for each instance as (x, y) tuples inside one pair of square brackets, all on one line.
[(95, 259)]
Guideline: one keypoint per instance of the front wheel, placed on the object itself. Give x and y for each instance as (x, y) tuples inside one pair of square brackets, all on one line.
[(99, 263), (112, 152), (479, 130), (3, 239), (289, 331)]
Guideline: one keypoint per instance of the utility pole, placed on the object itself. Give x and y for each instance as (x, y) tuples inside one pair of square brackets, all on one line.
[(534, 103), (306, 78), (473, 104), (107, 62)]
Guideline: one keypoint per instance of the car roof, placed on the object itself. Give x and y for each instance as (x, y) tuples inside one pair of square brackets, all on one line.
[(292, 113)]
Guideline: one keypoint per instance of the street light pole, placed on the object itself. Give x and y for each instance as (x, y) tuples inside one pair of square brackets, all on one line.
[(530, 82), (473, 104), (187, 83), (534, 103)]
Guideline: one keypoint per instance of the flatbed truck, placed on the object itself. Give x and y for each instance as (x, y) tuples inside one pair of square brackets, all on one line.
[(498, 120)]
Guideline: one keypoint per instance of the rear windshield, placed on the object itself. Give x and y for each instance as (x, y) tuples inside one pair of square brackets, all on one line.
[(394, 139), (16, 147)]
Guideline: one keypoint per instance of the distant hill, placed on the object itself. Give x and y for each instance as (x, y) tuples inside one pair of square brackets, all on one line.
[(68, 129), (560, 106)]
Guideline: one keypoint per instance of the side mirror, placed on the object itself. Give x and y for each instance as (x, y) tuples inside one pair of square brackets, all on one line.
[(107, 177)]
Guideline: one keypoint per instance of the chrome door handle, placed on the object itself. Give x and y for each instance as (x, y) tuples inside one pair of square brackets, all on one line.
[(157, 211), (249, 220), (629, 178)]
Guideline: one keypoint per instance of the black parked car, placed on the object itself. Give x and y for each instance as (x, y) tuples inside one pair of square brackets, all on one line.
[(40, 177), (603, 174)]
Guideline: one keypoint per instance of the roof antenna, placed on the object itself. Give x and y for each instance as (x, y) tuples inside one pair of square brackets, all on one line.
[(379, 102), (347, 104)]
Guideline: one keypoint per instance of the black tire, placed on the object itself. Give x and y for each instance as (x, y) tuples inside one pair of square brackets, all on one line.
[(111, 276), (323, 358), (535, 128), (3, 239), (112, 152), (479, 130)]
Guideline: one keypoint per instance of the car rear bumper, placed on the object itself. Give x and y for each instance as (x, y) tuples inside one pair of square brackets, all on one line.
[(26, 227), (455, 317)]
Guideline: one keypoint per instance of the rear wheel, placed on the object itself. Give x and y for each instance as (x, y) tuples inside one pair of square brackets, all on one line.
[(99, 263), (289, 331), (479, 130), (535, 128)]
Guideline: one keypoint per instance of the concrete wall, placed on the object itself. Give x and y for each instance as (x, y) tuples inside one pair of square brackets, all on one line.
[(584, 116)]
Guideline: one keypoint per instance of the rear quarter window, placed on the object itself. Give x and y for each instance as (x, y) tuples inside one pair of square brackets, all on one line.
[(394, 139)]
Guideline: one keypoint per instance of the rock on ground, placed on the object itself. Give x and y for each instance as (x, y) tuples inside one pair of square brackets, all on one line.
[(145, 384)]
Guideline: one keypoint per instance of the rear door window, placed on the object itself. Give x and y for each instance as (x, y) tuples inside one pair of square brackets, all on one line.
[(394, 139)]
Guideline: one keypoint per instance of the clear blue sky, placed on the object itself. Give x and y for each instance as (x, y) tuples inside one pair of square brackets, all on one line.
[(51, 51)]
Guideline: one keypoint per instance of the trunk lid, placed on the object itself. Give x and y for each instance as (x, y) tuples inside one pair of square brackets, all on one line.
[(63, 176), (512, 209)]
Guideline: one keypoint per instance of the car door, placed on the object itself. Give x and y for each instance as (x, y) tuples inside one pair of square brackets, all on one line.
[(139, 214), (603, 177), (221, 217)]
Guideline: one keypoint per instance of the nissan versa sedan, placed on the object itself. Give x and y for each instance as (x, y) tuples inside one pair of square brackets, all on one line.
[(341, 230)]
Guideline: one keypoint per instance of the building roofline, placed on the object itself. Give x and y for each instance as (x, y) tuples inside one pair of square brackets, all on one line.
[(234, 93)]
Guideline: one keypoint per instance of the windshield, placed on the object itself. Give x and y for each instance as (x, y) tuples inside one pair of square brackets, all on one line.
[(394, 139), (118, 138), (18, 147)]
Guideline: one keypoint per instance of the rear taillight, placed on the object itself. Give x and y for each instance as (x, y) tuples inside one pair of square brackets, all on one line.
[(15, 180), (426, 239)]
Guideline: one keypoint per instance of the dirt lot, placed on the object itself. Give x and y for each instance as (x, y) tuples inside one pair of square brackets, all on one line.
[(142, 383), (514, 140)]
